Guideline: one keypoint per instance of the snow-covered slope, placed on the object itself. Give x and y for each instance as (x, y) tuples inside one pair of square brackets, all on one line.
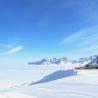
[(15, 95), (51, 81), (84, 84)]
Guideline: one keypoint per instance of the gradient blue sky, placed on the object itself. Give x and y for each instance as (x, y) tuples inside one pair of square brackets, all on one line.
[(32, 29)]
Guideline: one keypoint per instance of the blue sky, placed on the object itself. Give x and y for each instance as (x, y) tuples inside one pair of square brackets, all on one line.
[(32, 29)]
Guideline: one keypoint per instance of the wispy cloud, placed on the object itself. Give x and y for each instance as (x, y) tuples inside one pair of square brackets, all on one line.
[(84, 40), (72, 38), (90, 48), (12, 50)]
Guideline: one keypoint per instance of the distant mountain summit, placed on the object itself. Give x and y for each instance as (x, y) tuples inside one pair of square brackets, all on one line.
[(64, 60), (48, 61)]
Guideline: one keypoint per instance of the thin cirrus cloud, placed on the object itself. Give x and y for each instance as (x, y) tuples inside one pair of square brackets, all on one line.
[(83, 40), (12, 50), (90, 48)]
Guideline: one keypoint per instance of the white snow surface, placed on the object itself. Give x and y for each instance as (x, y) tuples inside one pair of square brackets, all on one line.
[(48, 81), (14, 95)]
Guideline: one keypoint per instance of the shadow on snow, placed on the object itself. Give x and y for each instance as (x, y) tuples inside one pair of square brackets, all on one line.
[(55, 75)]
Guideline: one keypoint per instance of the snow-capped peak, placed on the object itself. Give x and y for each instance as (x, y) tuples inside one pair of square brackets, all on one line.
[(50, 61), (64, 60)]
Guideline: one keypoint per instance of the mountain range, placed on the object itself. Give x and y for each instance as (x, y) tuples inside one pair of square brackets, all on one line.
[(63, 60)]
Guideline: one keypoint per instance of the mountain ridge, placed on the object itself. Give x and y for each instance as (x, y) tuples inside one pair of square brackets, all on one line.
[(63, 60)]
